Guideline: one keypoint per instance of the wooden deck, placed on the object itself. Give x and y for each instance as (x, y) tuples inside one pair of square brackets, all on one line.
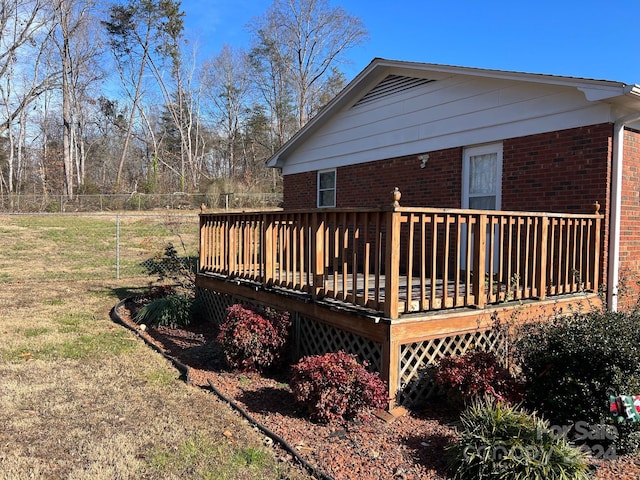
[(402, 286), (370, 257)]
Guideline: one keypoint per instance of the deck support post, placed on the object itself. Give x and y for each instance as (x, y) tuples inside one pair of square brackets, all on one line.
[(392, 265), (268, 262), (391, 368), (318, 266), (596, 252), (232, 243), (542, 259)]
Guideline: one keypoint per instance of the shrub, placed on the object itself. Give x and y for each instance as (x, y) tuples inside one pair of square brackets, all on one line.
[(335, 386), (572, 364), (171, 311), (171, 267), (497, 440), (476, 374), (254, 339)]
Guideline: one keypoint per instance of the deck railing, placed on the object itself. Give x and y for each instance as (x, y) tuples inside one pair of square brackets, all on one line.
[(399, 259)]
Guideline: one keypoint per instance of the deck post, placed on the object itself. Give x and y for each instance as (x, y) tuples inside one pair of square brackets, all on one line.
[(480, 260), (391, 367), (233, 246), (267, 262), (205, 249), (392, 260), (543, 260), (596, 247), (319, 252)]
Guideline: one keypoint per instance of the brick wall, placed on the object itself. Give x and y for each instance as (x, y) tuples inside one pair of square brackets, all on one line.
[(629, 289), (563, 171)]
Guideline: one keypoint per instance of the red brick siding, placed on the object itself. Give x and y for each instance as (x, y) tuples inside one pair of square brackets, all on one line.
[(562, 171), (630, 223), (300, 190)]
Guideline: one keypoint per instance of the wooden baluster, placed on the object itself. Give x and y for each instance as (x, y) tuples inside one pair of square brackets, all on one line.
[(480, 260)]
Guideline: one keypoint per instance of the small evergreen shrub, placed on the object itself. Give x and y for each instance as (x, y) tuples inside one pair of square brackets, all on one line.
[(571, 364), (476, 374), (173, 311), (335, 386), (253, 338), (500, 441)]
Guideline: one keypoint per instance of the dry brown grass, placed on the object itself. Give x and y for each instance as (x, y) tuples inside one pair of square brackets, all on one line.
[(82, 398)]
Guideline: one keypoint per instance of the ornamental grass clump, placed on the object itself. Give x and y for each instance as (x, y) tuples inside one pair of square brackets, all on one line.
[(173, 311), (501, 441), (476, 374), (336, 386), (254, 339)]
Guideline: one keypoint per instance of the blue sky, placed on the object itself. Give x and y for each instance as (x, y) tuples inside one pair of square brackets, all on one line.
[(587, 38)]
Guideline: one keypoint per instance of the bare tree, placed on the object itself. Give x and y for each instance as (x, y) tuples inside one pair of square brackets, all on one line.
[(311, 37), (227, 86), (24, 30), (143, 34)]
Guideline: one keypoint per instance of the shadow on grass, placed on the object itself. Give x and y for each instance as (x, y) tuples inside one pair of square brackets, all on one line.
[(126, 292)]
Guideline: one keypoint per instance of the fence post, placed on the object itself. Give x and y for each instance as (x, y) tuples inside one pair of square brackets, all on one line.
[(118, 247)]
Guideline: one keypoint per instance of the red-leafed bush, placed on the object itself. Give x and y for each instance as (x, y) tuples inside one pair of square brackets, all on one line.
[(253, 338), (335, 386), (476, 374)]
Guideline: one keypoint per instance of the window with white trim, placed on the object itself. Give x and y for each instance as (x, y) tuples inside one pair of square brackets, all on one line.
[(482, 177), (326, 188)]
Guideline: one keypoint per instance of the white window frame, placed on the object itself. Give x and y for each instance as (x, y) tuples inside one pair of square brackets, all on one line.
[(481, 150), (320, 191)]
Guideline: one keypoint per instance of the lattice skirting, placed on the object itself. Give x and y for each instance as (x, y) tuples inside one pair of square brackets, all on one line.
[(215, 304), (416, 360), (313, 337), (316, 338)]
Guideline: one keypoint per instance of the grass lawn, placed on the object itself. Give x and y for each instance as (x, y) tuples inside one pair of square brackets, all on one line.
[(83, 398)]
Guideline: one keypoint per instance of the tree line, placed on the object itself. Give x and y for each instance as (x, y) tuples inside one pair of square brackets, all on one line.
[(109, 99)]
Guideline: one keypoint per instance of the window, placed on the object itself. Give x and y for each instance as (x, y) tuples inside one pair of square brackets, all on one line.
[(327, 188), (482, 177)]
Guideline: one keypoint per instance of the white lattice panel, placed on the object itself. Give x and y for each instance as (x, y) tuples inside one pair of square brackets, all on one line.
[(416, 358)]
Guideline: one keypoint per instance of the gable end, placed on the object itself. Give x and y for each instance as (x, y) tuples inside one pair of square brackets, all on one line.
[(391, 85)]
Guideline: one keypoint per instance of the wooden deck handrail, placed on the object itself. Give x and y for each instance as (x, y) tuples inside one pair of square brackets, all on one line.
[(397, 260)]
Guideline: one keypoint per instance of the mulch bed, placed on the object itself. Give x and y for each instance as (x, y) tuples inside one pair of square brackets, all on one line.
[(411, 446)]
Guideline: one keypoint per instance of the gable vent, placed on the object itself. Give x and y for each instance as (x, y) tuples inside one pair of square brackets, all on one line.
[(391, 85)]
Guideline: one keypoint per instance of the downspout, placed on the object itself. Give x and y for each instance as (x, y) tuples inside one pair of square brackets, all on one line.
[(616, 204)]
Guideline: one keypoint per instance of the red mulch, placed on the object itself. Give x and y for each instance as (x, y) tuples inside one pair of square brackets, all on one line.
[(408, 447)]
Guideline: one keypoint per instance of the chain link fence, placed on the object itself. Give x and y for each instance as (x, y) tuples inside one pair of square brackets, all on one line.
[(35, 203), (90, 246)]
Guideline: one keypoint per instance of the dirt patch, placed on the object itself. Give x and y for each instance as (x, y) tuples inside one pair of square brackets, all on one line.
[(409, 447)]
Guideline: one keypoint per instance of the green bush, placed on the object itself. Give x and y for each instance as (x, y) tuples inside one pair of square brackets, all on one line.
[(571, 364), (173, 311), (499, 441), (334, 386)]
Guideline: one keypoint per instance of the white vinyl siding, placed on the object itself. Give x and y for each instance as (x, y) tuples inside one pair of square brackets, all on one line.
[(445, 113)]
